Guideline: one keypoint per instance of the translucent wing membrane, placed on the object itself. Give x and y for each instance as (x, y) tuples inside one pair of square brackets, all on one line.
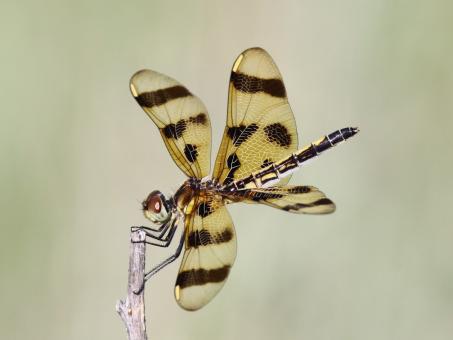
[(181, 117), (299, 199), (257, 155), (210, 251), (260, 126)]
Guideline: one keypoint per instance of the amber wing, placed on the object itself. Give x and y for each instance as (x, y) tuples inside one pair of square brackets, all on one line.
[(181, 117), (210, 251), (260, 126), (299, 199)]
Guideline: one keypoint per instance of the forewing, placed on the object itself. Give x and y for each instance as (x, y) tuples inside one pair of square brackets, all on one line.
[(210, 251), (181, 117), (299, 199), (260, 126)]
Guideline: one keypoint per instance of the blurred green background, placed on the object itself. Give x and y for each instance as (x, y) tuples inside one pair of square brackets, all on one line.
[(78, 155)]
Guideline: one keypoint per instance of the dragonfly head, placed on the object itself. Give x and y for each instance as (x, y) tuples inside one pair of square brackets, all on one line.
[(157, 208)]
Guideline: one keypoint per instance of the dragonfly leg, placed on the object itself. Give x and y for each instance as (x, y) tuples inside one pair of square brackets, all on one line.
[(157, 229), (163, 263), (154, 234), (162, 241)]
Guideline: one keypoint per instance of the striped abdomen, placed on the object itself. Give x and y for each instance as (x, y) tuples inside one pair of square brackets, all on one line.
[(271, 174)]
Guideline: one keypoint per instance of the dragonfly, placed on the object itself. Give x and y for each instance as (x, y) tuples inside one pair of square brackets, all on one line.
[(257, 155)]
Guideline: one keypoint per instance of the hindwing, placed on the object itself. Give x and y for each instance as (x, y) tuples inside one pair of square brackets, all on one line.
[(210, 251), (299, 199)]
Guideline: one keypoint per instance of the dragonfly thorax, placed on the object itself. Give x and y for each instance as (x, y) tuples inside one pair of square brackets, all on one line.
[(193, 187)]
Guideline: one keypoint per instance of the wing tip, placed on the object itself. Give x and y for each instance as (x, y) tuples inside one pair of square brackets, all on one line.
[(256, 48), (185, 305), (247, 51), (328, 205), (132, 81), (138, 73), (333, 208)]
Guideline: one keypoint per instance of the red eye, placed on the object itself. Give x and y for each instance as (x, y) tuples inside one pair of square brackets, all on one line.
[(157, 206), (153, 202)]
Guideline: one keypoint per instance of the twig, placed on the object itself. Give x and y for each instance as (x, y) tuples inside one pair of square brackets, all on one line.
[(132, 310)]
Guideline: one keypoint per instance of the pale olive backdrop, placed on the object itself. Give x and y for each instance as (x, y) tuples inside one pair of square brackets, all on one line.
[(78, 155)]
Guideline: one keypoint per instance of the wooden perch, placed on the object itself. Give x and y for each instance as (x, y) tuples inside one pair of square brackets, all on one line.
[(132, 310)]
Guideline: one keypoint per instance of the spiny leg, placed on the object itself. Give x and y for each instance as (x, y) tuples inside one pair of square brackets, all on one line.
[(163, 263), (151, 229), (149, 232), (163, 241), (168, 260)]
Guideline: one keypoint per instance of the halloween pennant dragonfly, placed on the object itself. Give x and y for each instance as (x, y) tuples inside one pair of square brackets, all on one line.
[(258, 153)]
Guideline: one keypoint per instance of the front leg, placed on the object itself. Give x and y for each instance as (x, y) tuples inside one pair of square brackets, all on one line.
[(154, 234), (151, 229), (164, 263), (162, 241)]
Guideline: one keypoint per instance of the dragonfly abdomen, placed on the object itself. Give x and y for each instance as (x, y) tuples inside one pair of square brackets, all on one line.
[(271, 174)]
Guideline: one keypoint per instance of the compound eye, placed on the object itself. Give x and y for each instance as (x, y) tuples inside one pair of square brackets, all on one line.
[(155, 208), (153, 202)]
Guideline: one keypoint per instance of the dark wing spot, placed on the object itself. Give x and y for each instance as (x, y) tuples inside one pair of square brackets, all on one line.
[(239, 134), (322, 201), (278, 134), (250, 84), (170, 131), (274, 87), (263, 196), (298, 206), (224, 236), (203, 238), (233, 164), (300, 189), (198, 277), (191, 152), (197, 238), (266, 163), (201, 119), (233, 161), (159, 97), (180, 128), (175, 130), (205, 209)]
